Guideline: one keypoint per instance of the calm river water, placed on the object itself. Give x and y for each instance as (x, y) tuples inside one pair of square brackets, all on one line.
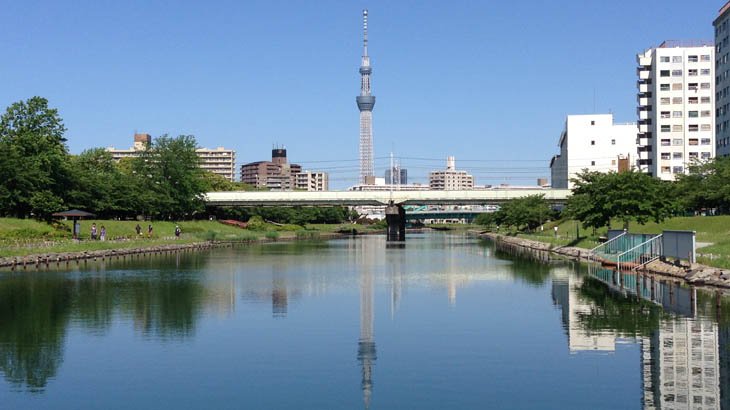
[(445, 323)]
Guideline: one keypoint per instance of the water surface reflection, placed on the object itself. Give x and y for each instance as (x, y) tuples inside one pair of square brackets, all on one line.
[(446, 322)]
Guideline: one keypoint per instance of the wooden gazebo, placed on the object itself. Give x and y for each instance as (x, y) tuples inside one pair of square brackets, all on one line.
[(75, 215)]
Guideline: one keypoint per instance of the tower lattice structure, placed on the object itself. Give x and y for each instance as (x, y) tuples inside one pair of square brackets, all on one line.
[(365, 103)]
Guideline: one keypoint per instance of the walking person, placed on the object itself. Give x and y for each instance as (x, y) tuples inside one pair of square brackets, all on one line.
[(93, 231), (149, 230), (138, 229), (102, 234), (177, 232)]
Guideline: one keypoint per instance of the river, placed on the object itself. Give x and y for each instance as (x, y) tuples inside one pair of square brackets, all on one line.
[(444, 322)]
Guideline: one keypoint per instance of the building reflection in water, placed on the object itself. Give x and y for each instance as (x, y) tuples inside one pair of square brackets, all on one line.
[(683, 356)]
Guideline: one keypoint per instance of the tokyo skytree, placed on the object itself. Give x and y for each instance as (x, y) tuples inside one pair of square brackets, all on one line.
[(365, 103)]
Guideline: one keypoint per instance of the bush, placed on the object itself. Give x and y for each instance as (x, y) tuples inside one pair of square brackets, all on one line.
[(307, 234), (211, 235), (256, 223), (273, 235)]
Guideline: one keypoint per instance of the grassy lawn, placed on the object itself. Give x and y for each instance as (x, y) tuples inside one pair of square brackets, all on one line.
[(710, 229), (20, 237)]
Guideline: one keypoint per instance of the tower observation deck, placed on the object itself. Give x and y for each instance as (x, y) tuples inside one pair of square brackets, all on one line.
[(365, 103)]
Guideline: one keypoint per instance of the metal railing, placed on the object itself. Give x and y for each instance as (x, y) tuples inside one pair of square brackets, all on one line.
[(609, 248), (640, 255)]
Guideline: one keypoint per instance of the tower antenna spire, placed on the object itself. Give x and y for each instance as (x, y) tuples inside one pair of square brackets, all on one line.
[(365, 32)]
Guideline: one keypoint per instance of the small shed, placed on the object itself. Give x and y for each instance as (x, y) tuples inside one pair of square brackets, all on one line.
[(75, 215)]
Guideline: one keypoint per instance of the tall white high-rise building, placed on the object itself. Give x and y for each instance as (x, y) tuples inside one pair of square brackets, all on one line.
[(365, 103), (676, 106), (722, 81), (594, 143)]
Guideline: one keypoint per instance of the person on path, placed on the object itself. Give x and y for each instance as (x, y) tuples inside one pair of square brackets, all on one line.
[(138, 229), (93, 231), (177, 231), (102, 234), (149, 230)]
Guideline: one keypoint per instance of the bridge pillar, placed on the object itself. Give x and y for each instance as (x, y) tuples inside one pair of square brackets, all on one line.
[(395, 215)]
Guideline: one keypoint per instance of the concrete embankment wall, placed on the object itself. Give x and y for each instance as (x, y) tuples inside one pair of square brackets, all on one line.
[(697, 274)]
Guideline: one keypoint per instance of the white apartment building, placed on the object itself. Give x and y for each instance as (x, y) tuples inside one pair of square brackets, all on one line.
[(219, 161), (676, 106), (450, 179), (594, 143), (311, 181), (722, 81)]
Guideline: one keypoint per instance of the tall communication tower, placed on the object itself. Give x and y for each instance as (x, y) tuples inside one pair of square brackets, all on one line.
[(365, 103)]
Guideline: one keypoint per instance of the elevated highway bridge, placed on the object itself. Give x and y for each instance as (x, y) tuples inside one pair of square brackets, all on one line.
[(392, 200), (379, 198)]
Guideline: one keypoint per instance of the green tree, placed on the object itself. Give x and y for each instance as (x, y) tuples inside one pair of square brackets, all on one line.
[(706, 186), (598, 198), (169, 180), (33, 159), (526, 213)]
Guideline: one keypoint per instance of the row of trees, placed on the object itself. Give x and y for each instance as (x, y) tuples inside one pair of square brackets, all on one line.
[(40, 177), (600, 198)]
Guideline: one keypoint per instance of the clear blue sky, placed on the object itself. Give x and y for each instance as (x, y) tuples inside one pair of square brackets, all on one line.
[(485, 81)]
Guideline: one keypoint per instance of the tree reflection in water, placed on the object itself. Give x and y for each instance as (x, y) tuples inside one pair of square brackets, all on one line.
[(36, 309)]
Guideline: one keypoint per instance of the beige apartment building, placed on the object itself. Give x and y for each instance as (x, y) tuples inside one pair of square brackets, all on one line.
[(220, 161), (450, 179)]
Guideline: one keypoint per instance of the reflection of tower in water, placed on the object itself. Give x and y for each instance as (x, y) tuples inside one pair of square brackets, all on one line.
[(366, 344), (366, 353)]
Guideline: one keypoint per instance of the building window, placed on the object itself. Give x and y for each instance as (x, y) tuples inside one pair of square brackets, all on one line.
[(664, 59), (665, 142), (593, 163), (664, 100), (664, 73), (663, 87), (704, 141), (665, 128), (676, 155), (693, 128), (676, 59), (593, 123), (705, 86), (705, 127), (676, 114), (692, 100), (705, 57), (677, 128), (692, 72), (705, 113), (692, 86), (677, 169), (677, 100), (665, 114), (677, 86), (692, 114), (593, 142), (705, 155), (676, 73), (705, 71), (613, 142), (677, 141), (705, 100), (692, 59), (666, 155), (693, 141), (693, 155), (665, 170)]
